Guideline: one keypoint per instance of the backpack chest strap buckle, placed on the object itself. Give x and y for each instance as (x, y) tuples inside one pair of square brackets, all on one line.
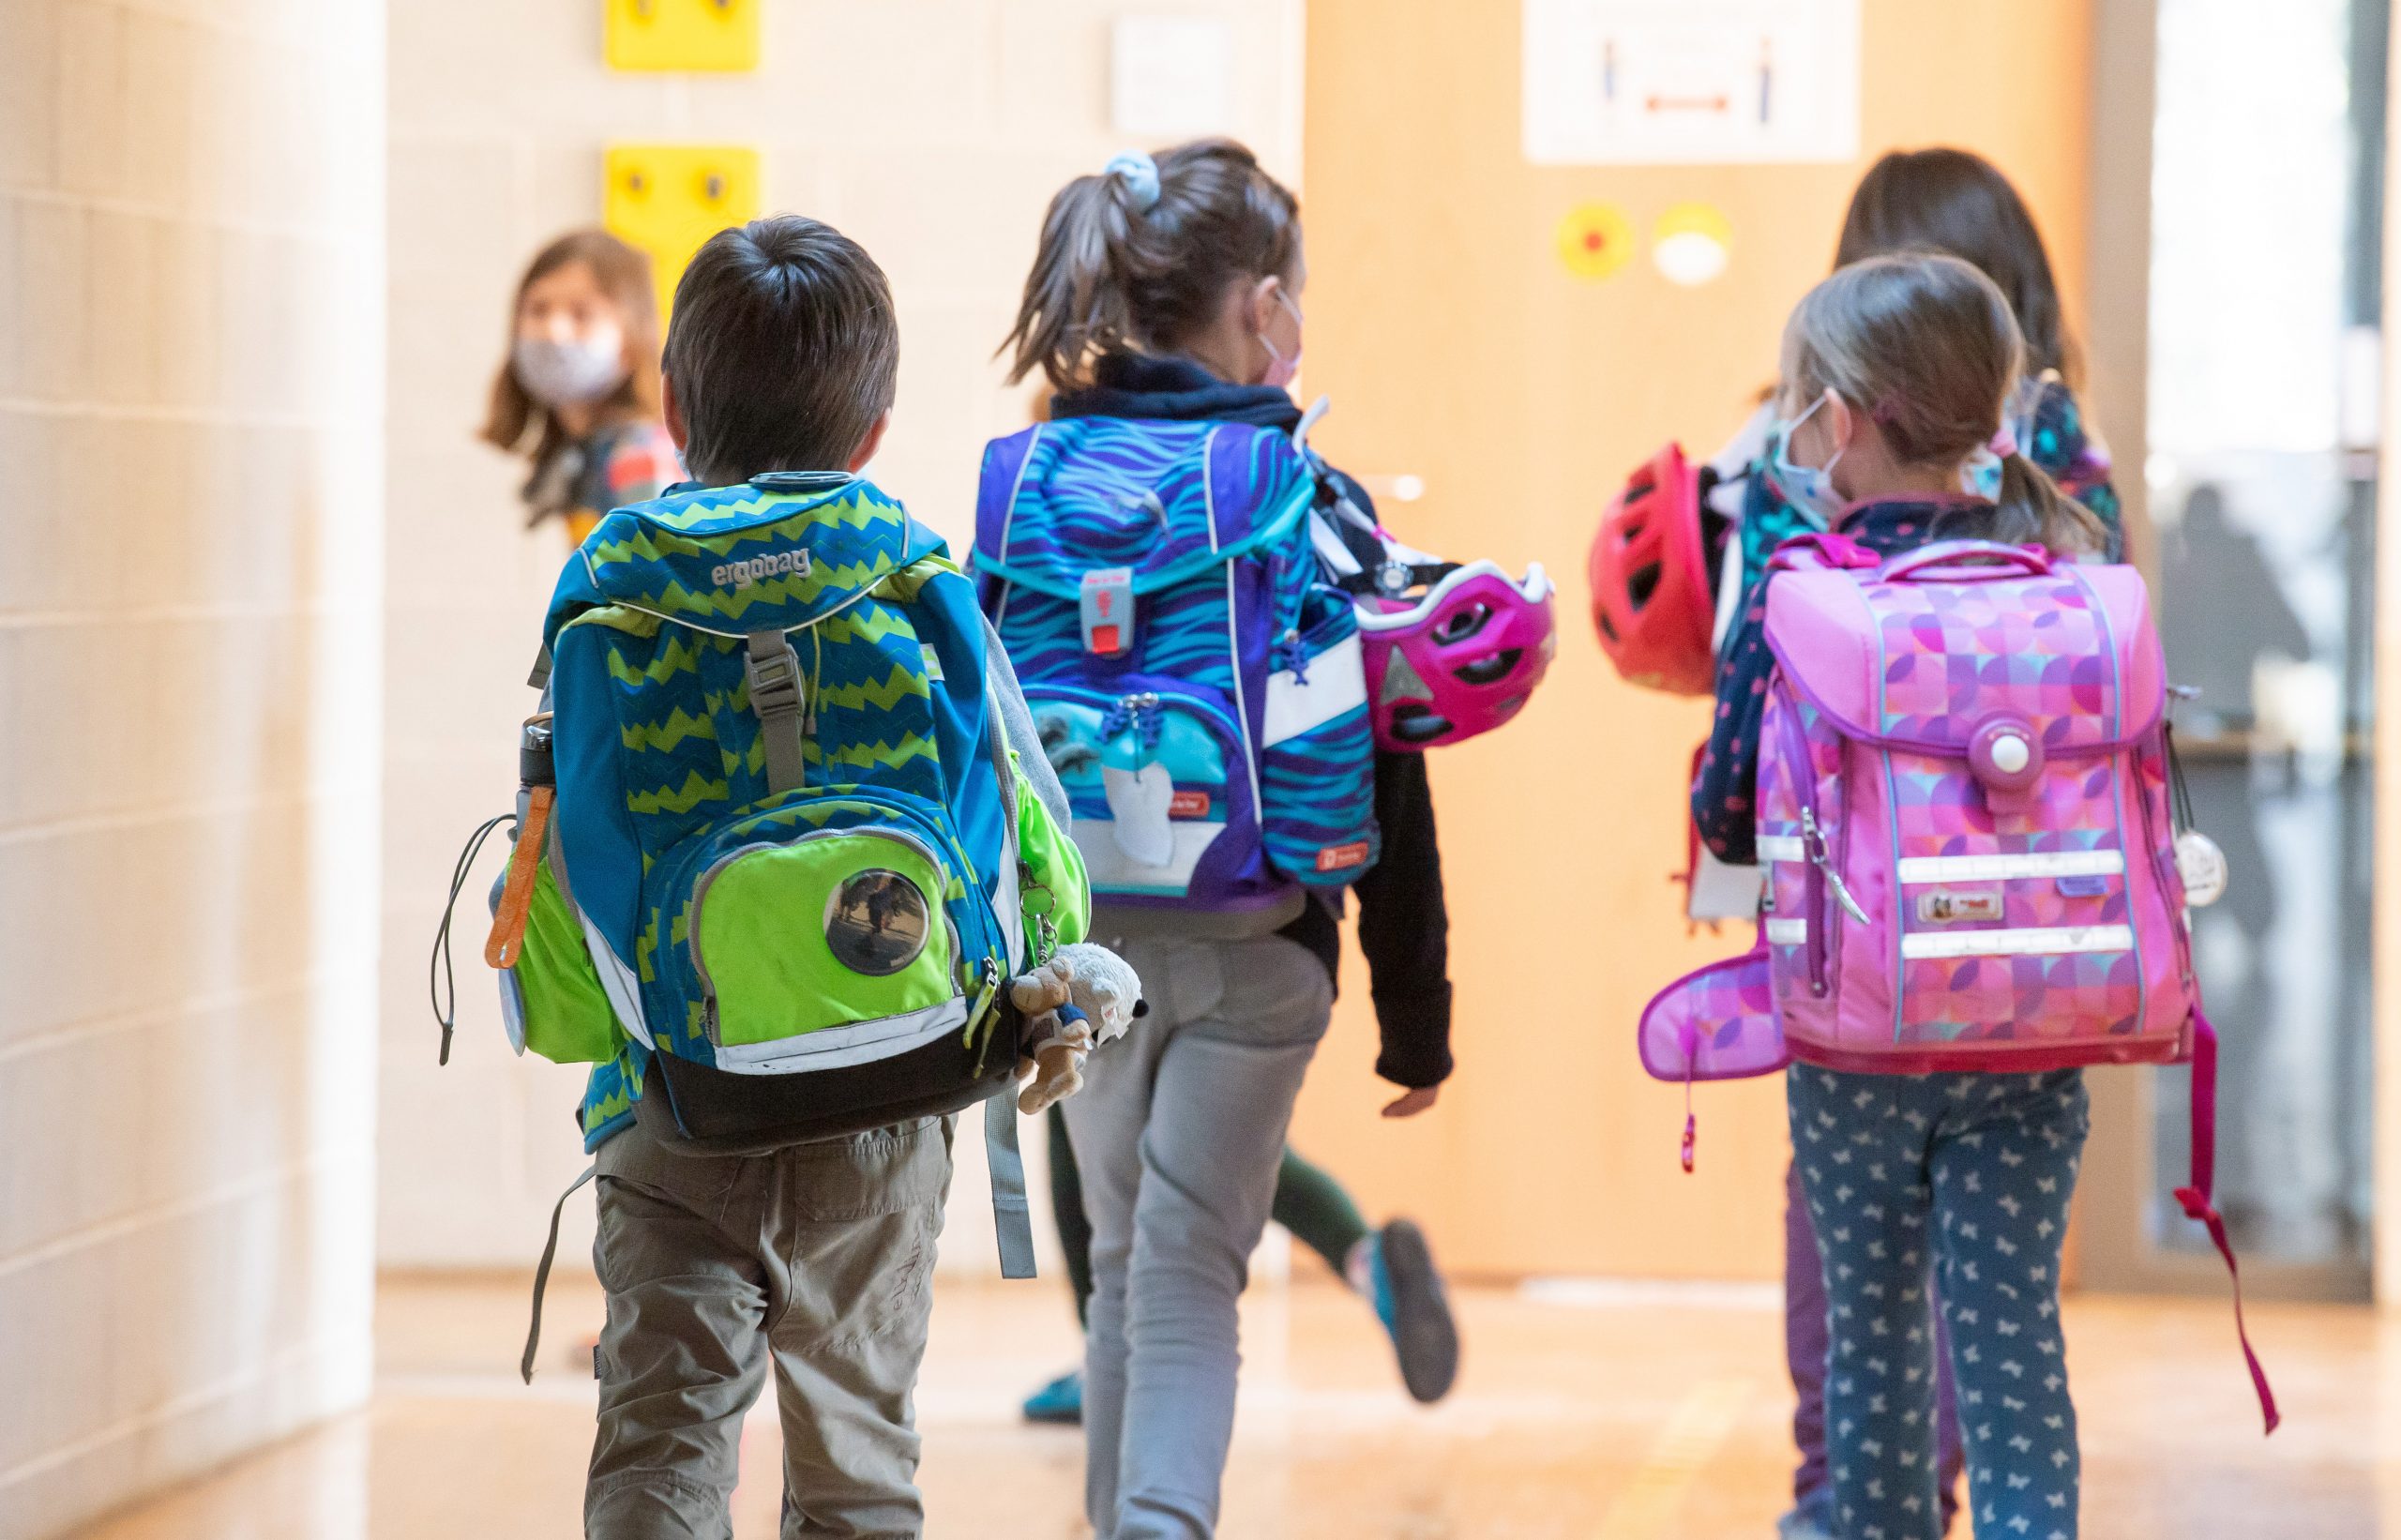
[(772, 670)]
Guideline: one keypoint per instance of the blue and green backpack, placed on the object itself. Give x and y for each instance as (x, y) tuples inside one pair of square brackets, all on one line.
[(792, 860)]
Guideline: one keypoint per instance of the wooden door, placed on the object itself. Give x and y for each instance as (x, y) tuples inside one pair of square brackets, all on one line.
[(1458, 349)]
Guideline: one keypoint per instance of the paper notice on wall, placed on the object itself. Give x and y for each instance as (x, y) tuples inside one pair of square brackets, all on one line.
[(1690, 82)]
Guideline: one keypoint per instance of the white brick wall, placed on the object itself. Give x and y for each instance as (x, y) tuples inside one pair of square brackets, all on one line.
[(192, 288), (934, 132)]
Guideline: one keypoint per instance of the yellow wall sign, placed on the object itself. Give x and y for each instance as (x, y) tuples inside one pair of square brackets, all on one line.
[(668, 199), (715, 35), (1594, 240)]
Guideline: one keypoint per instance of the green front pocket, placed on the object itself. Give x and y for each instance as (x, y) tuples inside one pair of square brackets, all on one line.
[(836, 928), (552, 996)]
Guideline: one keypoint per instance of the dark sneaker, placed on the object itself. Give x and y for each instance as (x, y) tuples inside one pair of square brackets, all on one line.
[(1407, 1292)]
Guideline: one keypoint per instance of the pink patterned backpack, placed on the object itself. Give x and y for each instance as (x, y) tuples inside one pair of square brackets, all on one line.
[(1963, 807)]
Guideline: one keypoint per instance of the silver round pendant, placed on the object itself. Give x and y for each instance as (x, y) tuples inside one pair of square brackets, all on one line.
[(2203, 867)]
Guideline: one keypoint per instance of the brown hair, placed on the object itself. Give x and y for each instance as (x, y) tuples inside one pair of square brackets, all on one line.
[(784, 350), (623, 273), (1950, 201), (1927, 348), (1125, 265)]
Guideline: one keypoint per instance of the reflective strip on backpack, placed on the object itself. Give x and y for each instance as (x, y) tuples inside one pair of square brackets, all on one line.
[(1781, 846), (1336, 684), (2032, 941), (2001, 869), (1788, 932), (839, 1048), (617, 982)]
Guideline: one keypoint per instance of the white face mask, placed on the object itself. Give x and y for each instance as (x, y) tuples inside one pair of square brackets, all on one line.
[(1807, 487), (570, 371)]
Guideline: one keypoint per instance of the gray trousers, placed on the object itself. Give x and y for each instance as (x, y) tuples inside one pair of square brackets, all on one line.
[(1177, 1136), (817, 1259)]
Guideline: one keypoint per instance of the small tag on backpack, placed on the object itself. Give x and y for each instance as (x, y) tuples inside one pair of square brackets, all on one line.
[(1946, 906), (1342, 857), (1108, 595)]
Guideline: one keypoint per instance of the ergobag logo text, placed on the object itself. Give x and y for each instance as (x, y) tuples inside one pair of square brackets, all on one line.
[(739, 575)]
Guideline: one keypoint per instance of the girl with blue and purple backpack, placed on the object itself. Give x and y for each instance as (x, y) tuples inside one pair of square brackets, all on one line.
[(1942, 735), (1197, 605)]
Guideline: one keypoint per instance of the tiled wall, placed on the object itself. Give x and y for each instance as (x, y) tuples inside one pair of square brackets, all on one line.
[(933, 131), (192, 289)]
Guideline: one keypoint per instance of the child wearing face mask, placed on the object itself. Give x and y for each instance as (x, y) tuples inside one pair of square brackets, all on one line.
[(582, 381), (1956, 203), (1168, 287), (1898, 375), (1959, 204)]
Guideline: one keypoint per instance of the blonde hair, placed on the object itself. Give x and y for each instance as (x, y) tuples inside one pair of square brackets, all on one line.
[(1927, 347), (623, 273)]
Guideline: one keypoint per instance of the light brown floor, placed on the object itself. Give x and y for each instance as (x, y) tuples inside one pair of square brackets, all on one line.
[(1618, 1414)]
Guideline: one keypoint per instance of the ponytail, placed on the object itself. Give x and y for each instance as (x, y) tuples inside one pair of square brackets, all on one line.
[(2031, 510), (1075, 298), (1928, 348), (1141, 256)]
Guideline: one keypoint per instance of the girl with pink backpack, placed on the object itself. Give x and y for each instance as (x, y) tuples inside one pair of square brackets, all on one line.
[(1941, 733)]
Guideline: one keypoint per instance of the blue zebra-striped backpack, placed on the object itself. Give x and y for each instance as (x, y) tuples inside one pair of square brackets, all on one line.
[(1197, 685)]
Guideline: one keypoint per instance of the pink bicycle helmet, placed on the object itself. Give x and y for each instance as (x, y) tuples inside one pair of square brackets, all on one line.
[(1452, 651)]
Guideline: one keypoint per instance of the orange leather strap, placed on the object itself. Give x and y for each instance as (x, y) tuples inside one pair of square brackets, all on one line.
[(508, 936)]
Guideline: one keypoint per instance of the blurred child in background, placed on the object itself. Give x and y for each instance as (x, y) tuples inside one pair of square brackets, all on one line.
[(581, 381), (1389, 1265)]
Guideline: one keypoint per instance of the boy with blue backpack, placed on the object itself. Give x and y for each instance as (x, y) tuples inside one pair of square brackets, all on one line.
[(786, 838)]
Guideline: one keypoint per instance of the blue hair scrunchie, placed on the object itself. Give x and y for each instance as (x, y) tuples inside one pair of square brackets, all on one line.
[(1141, 175)]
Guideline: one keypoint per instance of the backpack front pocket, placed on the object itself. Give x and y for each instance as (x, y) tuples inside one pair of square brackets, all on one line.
[(820, 935), (1157, 779)]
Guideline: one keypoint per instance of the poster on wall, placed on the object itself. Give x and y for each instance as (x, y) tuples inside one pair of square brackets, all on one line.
[(1690, 82)]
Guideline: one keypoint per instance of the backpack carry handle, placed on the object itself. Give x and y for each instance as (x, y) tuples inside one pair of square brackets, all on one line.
[(1820, 548), (2033, 559)]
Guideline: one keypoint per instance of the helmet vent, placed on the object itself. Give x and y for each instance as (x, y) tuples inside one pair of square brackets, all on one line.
[(1492, 669)]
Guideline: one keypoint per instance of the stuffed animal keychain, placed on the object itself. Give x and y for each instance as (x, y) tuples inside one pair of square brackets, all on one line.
[(1085, 996)]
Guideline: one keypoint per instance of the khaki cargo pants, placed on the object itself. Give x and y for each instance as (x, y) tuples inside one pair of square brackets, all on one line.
[(817, 1259)]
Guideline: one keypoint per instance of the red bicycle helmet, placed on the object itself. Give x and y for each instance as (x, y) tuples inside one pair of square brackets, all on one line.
[(1649, 580)]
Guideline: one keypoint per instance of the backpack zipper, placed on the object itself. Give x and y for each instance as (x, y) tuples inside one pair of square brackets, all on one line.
[(2163, 865), (1822, 877)]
